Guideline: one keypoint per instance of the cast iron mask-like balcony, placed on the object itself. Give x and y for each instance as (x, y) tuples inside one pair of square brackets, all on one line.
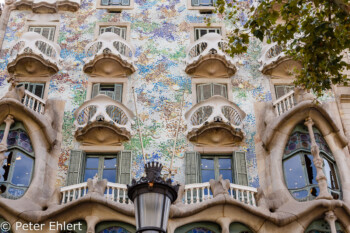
[(34, 55), (215, 122), (206, 57), (275, 62), (109, 56), (103, 120), (48, 6)]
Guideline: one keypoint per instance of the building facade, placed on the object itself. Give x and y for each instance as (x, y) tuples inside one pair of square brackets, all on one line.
[(90, 90)]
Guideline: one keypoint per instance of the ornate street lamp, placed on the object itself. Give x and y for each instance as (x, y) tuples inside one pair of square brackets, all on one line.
[(152, 197)]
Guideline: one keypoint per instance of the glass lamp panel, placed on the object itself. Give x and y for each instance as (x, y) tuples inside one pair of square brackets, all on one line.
[(23, 170), (166, 212), (150, 208), (294, 173)]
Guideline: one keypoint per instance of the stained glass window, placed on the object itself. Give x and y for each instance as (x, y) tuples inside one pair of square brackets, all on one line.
[(322, 226), (299, 169), (16, 171), (114, 230), (200, 230)]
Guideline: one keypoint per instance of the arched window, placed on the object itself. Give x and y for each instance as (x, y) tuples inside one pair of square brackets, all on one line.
[(322, 226), (299, 168), (199, 227), (114, 227), (239, 228), (16, 171)]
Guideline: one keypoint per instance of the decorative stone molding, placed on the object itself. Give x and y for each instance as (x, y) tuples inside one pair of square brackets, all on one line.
[(215, 122), (110, 55), (207, 57), (96, 186), (220, 186), (275, 62), (34, 55), (331, 218), (48, 6), (103, 120), (3, 144)]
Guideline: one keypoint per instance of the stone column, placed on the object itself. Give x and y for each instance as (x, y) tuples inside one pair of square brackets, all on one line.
[(331, 218), (318, 162), (3, 144)]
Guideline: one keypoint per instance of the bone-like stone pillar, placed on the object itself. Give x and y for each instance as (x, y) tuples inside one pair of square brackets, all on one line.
[(331, 218), (318, 162), (3, 144)]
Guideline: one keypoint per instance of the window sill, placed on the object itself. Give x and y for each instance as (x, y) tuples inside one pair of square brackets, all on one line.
[(115, 8), (202, 8)]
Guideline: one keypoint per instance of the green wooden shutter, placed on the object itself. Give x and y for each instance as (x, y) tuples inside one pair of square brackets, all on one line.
[(280, 91), (118, 92), (192, 167), (125, 167), (241, 175), (219, 89), (75, 168), (95, 90)]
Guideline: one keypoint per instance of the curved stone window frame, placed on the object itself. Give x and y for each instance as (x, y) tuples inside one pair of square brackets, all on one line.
[(102, 226), (321, 226), (17, 153), (208, 226), (310, 187)]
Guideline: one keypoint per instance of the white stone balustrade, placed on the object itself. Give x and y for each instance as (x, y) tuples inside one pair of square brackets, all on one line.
[(110, 43), (284, 103), (33, 102), (32, 43), (211, 43), (115, 192), (104, 109), (243, 194), (197, 193), (214, 109)]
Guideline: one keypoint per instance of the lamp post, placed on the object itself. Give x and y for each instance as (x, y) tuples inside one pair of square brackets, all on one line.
[(152, 197)]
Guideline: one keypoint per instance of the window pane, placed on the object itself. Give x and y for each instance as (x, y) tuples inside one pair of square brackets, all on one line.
[(207, 163), (23, 170), (300, 194), (330, 174), (91, 162), (110, 163), (206, 91), (207, 175), (90, 173), (225, 163), (110, 175), (5, 169), (226, 174), (294, 173), (311, 169)]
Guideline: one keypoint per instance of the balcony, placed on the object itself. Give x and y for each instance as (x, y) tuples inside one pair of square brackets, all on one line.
[(275, 62), (215, 122), (49, 6), (109, 56), (34, 55), (191, 194), (206, 57), (103, 121)]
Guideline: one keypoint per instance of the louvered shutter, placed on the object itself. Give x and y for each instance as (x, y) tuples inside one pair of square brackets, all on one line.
[(102, 30), (280, 91), (104, 2), (118, 92), (75, 167), (192, 167), (125, 167), (95, 90), (241, 175), (204, 91), (195, 2), (219, 89)]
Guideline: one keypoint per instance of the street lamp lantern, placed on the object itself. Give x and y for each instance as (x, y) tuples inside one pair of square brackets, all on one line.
[(152, 197)]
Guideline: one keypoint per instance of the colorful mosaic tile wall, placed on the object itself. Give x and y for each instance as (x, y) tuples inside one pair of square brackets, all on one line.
[(160, 32)]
